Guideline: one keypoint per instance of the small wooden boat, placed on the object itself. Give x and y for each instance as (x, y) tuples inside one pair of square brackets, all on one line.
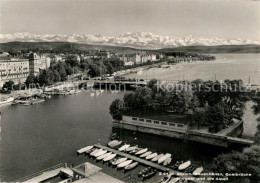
[(124, 147), (100, 153), (91, 150), (146, 154), (121, 160), (103, 156), (149, 174), (197, 171), (125, 163), (151, 156), (190, 169), (167, 162), (185, 165), (114, 143), (131, 148), (163, 158), (176, 165), (111, 142), (141, 151), (96, 151), (135, 151), (113, 160), (157, 157), (82, 150), (131, 166), (110, 157), (144, 171)]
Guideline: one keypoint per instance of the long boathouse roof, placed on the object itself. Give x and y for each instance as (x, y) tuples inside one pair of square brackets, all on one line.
[(167, 117)]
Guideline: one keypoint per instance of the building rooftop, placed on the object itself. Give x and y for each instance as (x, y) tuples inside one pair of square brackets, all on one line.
[(168, 117)]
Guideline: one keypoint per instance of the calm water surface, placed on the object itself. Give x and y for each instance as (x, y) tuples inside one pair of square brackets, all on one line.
[(226, 66), (39, 136)]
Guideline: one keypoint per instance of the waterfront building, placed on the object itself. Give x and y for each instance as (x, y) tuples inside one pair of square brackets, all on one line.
[(37, 63), (178, 126), (15, 68), (163, 122)]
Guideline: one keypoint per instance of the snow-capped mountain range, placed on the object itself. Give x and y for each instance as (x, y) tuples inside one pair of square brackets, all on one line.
[(136, 40)]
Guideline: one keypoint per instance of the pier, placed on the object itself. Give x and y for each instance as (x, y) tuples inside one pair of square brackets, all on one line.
[(137, 159)]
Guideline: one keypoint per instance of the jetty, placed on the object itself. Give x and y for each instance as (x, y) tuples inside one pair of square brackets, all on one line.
[(140, 160)]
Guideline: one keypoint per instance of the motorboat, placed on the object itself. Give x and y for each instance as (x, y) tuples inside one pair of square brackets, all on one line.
[(96, 151), (131, 166), (103, 156), (149, 174), (144, 171), (141, 151), (124, 147), (146, 154), (197, 171), (111, 142), (114, 143), (100, 153), (151, 156), (82, 150), (111, 161), (176, 165), (167, 162), (190, 169), (185, 165), (125, 163), (131, 148), (157, 157), (110, 157), (121, 160), (163, 158), (135, 151), (91, 150)]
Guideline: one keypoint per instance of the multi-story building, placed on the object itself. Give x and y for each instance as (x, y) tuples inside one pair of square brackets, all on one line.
[(37, 63), (17, 68), (13, 68)]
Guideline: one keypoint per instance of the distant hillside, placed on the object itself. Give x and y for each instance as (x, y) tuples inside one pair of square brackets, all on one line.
[(63, 47), (59, 47), (216, 49)]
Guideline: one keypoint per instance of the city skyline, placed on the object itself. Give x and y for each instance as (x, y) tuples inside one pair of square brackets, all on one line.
[(222, 19)]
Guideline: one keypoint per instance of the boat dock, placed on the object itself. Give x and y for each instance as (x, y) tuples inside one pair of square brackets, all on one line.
[(140, 160), (149, 163)]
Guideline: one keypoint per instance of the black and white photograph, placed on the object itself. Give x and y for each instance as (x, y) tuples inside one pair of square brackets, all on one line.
[(129, 91)]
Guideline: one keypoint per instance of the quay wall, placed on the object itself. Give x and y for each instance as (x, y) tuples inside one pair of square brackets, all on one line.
[(191, 136)]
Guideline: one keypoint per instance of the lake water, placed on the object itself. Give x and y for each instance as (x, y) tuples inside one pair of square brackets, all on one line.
[(39, 136), (226, 66)]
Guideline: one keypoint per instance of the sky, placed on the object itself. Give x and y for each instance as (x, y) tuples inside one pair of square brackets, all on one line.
[(227, 19)]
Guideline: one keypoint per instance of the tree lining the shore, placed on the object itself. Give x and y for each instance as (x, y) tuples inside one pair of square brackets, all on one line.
[(215, 109), (247, 161), (211, 107)]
